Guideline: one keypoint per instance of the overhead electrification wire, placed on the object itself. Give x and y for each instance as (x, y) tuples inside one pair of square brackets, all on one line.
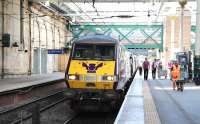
[(161, 6), (82, 11)]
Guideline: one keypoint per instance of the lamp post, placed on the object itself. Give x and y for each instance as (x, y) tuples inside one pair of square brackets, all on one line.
[(182, 4)]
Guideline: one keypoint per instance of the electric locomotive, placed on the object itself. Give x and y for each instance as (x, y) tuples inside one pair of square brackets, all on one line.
[(99, 69)]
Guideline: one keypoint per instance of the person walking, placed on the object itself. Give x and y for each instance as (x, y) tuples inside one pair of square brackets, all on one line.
[(175, 74), (140, 70), (146, 68), (153, 67)]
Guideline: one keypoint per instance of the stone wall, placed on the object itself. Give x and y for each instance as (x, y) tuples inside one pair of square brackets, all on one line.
[(47, 32)]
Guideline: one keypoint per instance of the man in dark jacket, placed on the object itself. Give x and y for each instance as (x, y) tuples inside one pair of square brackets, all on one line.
[(146, 68), (153, 67)]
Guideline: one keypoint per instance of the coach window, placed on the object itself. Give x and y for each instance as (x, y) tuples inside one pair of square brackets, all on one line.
[(104, 52)]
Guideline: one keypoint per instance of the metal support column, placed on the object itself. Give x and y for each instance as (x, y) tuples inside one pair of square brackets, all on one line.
[(2, 70), (30, 42), (22, 23), (197, 45)]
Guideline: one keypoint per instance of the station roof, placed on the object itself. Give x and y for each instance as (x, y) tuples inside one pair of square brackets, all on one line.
[(123, 11)]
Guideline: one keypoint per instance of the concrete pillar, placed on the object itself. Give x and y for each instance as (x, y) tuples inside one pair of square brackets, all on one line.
[(157, 53), (181, 30), (172, 38), (182, 4), (197, 44)]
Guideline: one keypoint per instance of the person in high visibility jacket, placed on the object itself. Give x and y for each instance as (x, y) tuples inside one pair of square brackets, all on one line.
[(175, 74)]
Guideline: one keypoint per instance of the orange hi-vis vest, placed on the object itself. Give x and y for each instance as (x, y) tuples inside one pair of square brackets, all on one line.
[(175, 72)]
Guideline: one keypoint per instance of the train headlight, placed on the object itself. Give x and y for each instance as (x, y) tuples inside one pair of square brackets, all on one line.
[(108, 78), (73, 77)]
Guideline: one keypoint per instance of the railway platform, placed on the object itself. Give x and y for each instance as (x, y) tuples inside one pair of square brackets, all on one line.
[(9, 84), (17, 90), (155, 102)]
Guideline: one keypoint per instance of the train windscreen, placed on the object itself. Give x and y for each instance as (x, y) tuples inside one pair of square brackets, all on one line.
[(95, 52)]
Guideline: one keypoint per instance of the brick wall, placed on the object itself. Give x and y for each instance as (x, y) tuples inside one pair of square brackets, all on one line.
[(47, 32)]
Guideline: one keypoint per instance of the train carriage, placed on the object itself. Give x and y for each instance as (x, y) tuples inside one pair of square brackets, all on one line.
[(98, 69)]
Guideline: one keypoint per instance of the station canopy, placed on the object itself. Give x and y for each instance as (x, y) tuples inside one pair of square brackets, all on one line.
[(121, 11)]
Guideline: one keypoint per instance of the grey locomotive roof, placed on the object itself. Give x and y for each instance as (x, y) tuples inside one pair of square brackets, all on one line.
[(96, 38)]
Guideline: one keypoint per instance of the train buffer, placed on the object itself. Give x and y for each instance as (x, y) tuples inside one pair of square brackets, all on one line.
[(155, 102)]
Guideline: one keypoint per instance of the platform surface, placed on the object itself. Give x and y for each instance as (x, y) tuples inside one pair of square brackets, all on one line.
[(175, 107), (155, 102), (26, 81)]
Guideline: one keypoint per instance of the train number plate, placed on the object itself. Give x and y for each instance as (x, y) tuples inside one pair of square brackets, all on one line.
[(90, 84)]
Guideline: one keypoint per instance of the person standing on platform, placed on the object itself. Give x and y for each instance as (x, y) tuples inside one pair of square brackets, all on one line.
[(140, 70), (146, 68), (170, 64), (153, 67), (175, 74)]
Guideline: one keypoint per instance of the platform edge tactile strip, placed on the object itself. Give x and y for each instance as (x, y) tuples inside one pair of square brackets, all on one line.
[(150, 112)]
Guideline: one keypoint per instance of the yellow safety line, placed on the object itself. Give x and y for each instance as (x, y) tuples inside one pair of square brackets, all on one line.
[(150, 112)]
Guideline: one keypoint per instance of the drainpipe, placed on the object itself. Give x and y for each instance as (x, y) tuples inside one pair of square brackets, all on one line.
[(46, 35), (46, 71), (197, 44), (59, 37), (2, 70), (22, 23), (59, 68), (39, 46), (30, 42), (54, 45)]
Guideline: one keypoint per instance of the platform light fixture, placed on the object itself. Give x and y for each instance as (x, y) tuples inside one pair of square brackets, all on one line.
[(182, 3), (47, 3)]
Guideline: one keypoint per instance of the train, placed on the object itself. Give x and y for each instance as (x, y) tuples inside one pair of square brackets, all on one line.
[(99, 70)]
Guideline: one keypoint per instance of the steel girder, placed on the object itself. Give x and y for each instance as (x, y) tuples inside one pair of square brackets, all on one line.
[(131, 36)]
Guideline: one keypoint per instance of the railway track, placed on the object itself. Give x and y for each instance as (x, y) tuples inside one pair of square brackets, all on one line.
[(32, 111), (93, 118), (12, 96)]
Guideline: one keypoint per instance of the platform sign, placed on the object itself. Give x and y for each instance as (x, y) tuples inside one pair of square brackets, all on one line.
[(55, 51)]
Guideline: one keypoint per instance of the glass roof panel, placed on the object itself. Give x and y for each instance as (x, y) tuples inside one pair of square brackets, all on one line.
[(124, 12)]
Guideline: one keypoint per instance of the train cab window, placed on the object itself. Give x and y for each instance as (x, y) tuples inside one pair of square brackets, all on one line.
[(83, 51), (104, 52), (96, 52)]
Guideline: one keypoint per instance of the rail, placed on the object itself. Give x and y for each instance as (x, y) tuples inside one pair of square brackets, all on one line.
[(33, 107)]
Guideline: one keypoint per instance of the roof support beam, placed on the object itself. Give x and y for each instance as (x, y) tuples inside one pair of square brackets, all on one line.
[(96, 1)]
